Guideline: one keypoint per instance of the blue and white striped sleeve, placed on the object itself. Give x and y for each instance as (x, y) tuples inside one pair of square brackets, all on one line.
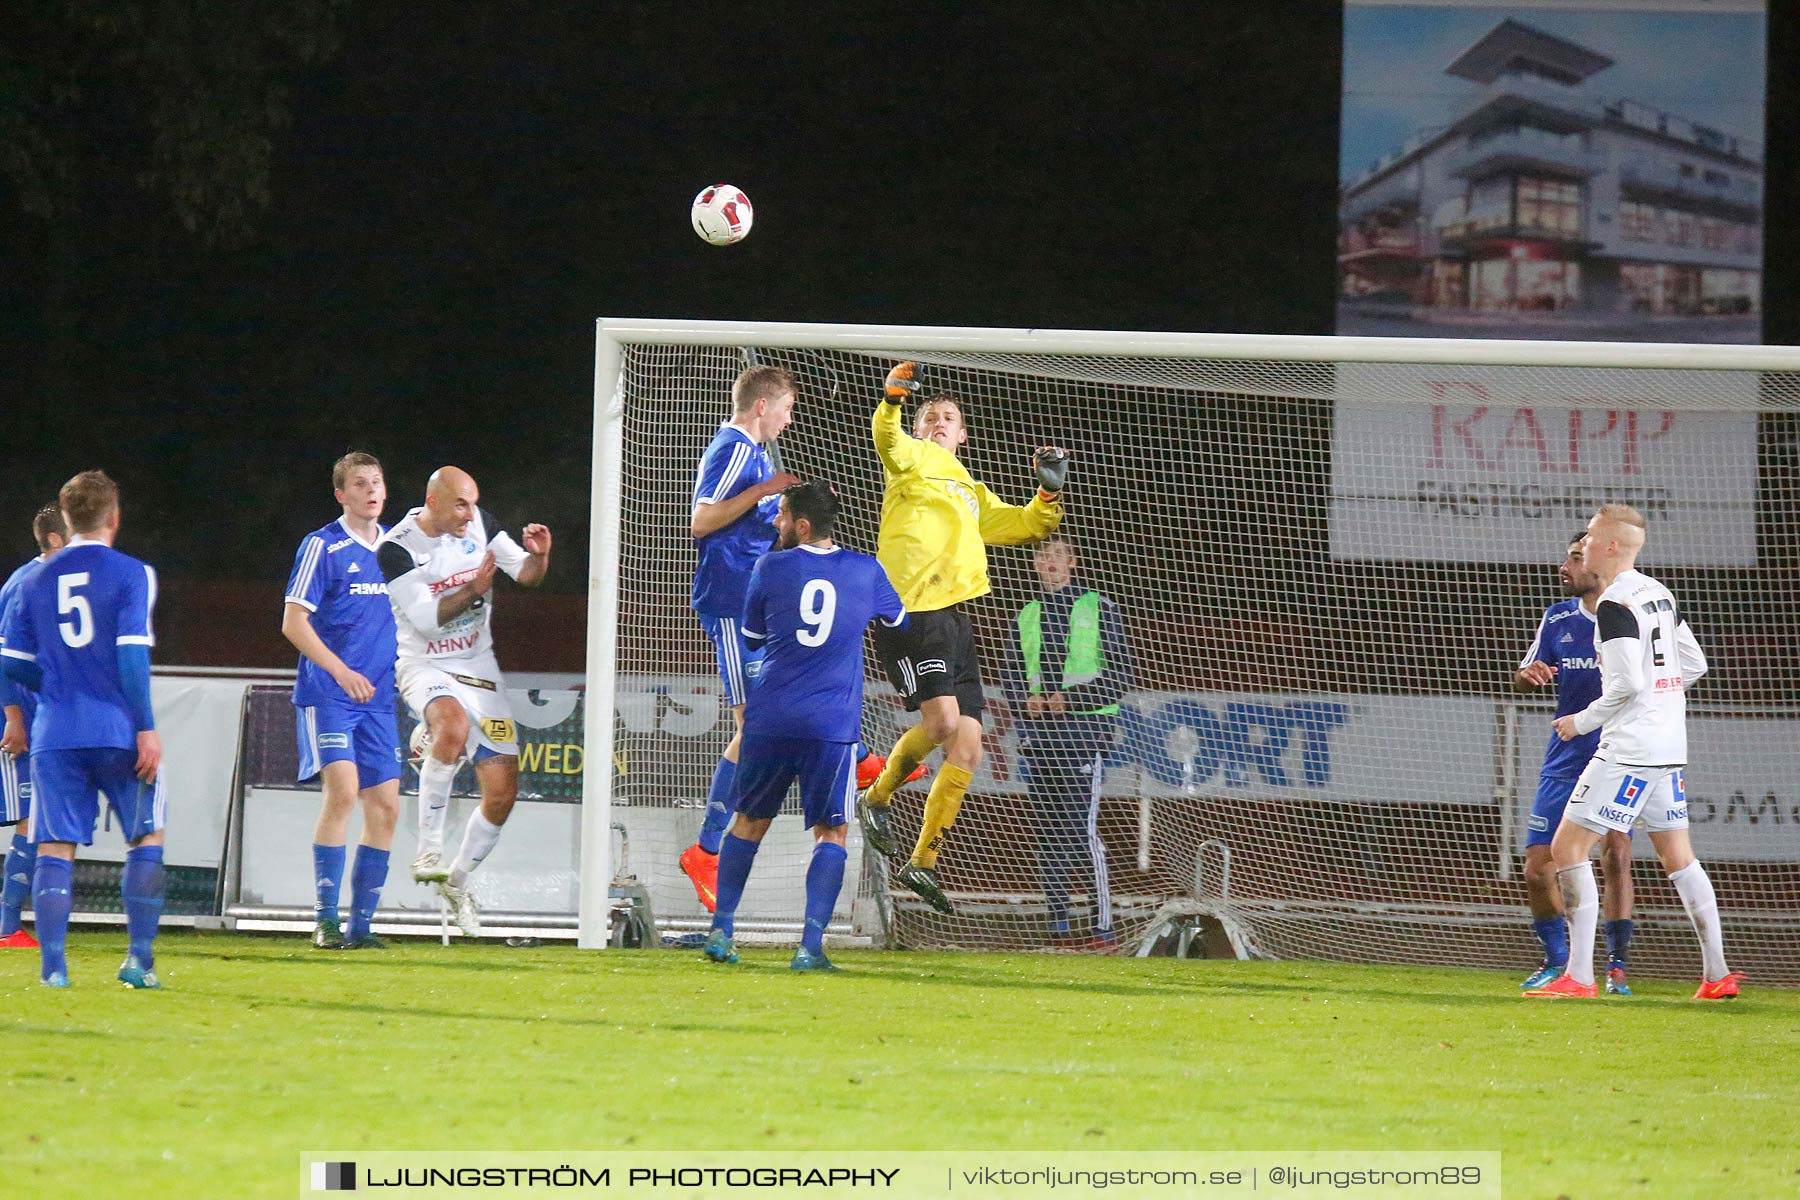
[(306, 583), (721, 471), (136, 607), (1539, 647)]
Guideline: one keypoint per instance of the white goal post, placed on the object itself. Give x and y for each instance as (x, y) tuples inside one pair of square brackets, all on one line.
[(1320, 751)]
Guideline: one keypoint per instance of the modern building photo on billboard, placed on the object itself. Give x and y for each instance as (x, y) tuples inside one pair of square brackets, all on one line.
[(1532, 197)]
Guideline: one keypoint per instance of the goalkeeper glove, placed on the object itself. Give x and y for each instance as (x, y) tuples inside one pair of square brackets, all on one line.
[(901, 382), (1052, 463)]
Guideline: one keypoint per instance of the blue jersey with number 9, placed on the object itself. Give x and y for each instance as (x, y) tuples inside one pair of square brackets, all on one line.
[(809, 606), (88, 600)]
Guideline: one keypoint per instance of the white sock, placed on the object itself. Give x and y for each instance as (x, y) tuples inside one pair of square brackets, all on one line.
[(435, 779), (478, 841), (1581, 905), (1697, 896)]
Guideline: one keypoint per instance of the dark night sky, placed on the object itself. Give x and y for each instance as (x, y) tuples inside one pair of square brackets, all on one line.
[(465, 188)]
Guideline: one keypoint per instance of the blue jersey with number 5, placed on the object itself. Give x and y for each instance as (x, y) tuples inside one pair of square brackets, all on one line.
[(809, 608), (71, 620)]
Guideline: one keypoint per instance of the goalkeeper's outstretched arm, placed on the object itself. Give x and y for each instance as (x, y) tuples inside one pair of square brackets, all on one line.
[(900, 452), (1004, 524)]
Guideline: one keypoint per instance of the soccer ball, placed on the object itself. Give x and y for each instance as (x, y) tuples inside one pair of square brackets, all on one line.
[(722, 214)]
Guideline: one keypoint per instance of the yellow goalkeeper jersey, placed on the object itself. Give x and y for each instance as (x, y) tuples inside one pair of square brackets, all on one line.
[(937, 522)]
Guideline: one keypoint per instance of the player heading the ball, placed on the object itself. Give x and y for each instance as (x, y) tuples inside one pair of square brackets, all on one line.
[(1648, 659), (936, 523), (808, 603), (439, 565)]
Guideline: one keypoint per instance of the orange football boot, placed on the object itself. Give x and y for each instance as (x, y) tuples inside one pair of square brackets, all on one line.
[(702, 870), (1564, 987), (1720, 989)]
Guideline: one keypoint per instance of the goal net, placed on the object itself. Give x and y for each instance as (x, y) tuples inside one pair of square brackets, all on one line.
[(1329, 555)]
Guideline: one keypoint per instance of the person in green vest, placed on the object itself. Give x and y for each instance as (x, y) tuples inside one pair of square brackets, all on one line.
[(1070, 663)]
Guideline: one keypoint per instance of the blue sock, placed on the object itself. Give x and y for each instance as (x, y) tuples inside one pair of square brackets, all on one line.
[(52, 898), (367, 878), (824, 880), (328, 880), (142, 888), (1618, 942), (736, 856), (1555, 935), (21, 861), (718, 806)]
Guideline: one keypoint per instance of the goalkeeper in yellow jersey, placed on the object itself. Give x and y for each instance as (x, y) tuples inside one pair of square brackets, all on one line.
[(936, 525)]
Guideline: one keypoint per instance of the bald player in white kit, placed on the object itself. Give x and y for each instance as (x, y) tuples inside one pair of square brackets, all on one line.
[(439, 563), (1648, 660)]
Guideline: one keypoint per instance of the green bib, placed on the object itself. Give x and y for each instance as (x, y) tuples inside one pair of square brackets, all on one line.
[(1086, 657)]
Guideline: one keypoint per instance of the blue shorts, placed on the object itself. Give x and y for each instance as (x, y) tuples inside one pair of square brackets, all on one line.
[(739, 662), (66, 787), (1547, 810), (826, 771), (15, 788), (368, 737)]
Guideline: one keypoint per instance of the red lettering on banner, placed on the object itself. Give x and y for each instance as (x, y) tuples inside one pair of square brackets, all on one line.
[(1470, 441), (1524, 434)]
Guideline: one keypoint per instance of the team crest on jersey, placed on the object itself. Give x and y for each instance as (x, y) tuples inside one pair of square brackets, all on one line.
[(468, 546)]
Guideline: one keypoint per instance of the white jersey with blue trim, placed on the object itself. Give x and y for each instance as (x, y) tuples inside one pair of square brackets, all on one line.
[(1648, 660), (419, 568)]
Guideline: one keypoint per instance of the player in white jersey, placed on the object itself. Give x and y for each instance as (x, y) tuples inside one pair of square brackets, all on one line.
[(439, 564), (1648, 660)]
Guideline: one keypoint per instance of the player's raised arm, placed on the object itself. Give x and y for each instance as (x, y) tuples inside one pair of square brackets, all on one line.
[(527, 564), (1004, 524), (900, 452)]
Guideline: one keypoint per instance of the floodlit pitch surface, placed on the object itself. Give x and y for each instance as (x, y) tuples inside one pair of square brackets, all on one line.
[(259, 1049)]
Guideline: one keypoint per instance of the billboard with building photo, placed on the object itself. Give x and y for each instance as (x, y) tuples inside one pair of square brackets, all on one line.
[(1557, 169)]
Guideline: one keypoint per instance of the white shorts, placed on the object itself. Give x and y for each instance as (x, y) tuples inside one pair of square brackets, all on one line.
[(1617, 796), (473, 683)]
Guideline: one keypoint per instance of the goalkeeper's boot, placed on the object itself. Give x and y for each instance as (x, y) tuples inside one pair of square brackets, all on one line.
[(367, 941), (1564, 987), (19, 939), (429, 867), (463, 909), (877, 821), (136, 976), (806, 960), (55, 979), (870, 766), (719, 948), (1545, 974), (328, 935), (702, 870), (1616, 983), (1720, 989), (924, 881)]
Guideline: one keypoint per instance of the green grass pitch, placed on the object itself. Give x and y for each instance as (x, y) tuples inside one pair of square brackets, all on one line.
[(260, 1048)]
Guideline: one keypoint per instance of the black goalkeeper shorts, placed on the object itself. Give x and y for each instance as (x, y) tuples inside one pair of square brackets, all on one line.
[(933, 655)]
